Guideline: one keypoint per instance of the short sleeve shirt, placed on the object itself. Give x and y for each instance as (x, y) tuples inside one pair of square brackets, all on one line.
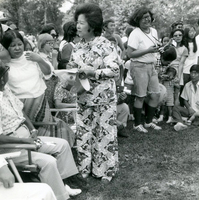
[(141, 41)]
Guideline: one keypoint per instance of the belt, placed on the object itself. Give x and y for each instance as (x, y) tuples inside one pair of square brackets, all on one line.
[(20, 125)]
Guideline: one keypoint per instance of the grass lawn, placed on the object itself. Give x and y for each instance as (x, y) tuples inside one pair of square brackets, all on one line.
[(158, 165)]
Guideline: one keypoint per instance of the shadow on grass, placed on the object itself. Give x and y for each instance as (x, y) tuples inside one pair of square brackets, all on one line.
[(158, 165)]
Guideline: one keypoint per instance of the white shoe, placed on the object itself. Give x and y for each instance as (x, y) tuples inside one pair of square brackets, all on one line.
[(152, 125), (140, 128), (72, 192), (170, 120), (180, 126), (160, 119)]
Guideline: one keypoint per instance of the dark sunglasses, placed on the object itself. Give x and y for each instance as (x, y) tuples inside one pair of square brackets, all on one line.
[(177, 35), (6, 68)]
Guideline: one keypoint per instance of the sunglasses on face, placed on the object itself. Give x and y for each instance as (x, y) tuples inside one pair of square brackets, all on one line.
[(180, 35)]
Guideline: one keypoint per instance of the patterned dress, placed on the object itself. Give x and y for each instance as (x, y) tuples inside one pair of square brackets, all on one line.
[(97, 146)]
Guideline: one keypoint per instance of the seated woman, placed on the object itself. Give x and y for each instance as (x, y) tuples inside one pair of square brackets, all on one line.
[(64, 97), (27, 70)]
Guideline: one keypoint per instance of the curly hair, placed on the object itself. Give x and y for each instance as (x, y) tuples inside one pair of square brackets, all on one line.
[(135, 18), (93, 15)]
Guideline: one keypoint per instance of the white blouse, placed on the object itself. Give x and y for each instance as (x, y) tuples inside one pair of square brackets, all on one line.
[(25, 78)]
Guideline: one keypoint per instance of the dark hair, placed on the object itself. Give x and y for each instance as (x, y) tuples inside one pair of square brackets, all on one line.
[(48, 28), (165, 35), (171, 69), (107, 21), (93, 15), (175, 30), (69, 31), (186, 39), (194, 68), (173, 26), (128, 30), (9, 36), (135, 18)]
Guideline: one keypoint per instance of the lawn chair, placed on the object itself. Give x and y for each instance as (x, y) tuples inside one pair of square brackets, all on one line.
[(30, 167)]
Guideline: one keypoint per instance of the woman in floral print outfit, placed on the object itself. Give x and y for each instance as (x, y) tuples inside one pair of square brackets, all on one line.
[(97, 147)]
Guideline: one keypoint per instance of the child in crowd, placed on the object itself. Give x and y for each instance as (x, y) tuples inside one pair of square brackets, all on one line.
[(170, 81), (167, 76)]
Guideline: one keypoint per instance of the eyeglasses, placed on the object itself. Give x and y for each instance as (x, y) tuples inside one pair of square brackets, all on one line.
[(146, 18), (180, 35), (50, 43)]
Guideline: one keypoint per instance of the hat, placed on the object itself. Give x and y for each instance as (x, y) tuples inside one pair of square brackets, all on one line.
[(169, 53), (42, 39), (194, 68)]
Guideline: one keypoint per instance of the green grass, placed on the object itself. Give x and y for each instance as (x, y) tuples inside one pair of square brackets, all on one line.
[(158, 165)]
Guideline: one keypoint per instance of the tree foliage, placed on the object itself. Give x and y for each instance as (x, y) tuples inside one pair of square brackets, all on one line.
[(165, 12), (31, 15)]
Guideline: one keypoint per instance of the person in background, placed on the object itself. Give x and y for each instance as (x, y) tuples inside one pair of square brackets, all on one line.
[(190, 95), (177, 36), (142, 45), (191, 45), (177, 25), (67, 44), (11, 190), (45, 46), (26, 80), (109, 28), (168, 79), (50, 29), (96, 58)]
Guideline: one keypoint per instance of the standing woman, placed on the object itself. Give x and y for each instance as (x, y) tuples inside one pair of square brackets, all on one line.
[(178, 63), (142, 46), (67, 44), (191, 45), (96, 58)]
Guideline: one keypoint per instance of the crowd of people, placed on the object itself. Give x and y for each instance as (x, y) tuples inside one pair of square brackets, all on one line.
[(140, 78)]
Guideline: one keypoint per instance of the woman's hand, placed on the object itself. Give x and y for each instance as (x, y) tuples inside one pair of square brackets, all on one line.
[(83, 73), (32, 56), (153, 49)]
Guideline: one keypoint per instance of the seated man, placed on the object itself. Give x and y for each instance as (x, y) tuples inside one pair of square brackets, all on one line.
[(190, 94), (14, 128), (22, 191)]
